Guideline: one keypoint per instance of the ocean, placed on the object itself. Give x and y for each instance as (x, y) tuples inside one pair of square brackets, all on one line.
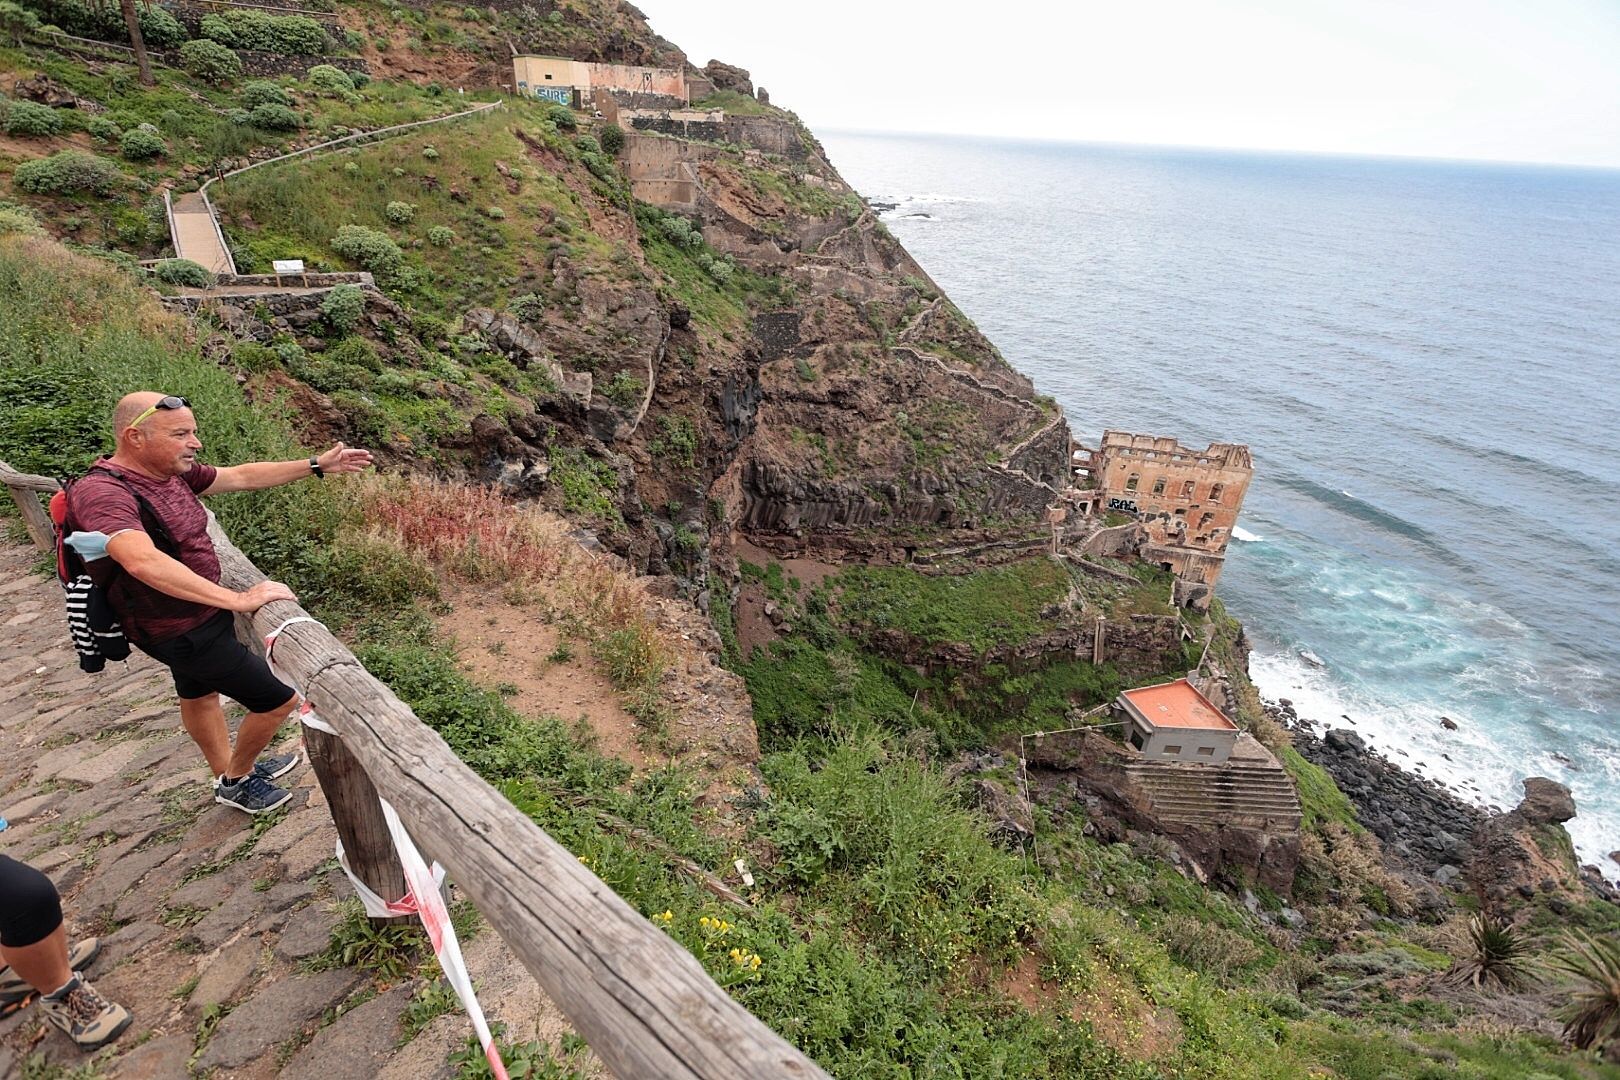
[(1424, 358)]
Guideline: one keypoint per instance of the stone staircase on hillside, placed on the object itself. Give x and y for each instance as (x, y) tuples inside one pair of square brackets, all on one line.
[(1252, 795)]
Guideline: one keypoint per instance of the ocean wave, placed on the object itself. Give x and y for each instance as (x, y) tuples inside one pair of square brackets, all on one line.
[(1352, 506), (1240, 533)]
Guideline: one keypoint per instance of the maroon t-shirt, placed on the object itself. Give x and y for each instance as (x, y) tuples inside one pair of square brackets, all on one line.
[(101, 503)]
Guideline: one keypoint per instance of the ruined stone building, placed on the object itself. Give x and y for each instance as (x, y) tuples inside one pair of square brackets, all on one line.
[(1186, 500), (575, 82)]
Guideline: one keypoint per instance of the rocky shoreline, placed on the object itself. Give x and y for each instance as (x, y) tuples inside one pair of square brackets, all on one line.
[(1420, 821), (1435, 835)]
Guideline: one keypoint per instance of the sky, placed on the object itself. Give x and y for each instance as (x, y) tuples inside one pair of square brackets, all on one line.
[(1506, 80)]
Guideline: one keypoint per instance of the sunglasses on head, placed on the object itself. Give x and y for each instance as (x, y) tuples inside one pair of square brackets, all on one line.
[(167, 404)]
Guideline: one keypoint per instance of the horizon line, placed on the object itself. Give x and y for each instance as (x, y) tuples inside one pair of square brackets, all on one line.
[(1212, 147)]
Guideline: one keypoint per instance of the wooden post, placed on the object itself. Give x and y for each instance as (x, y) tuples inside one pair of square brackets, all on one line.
[(350, 796), (23, 488), (358, 817)]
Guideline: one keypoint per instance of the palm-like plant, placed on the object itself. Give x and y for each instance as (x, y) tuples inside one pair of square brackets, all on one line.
[(1592, 1017), (1499, 956)]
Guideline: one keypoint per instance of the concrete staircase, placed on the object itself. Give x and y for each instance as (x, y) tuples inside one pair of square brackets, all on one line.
[(1251, 795)]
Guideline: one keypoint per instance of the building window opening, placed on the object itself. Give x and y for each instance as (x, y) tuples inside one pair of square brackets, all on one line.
[(1206, 751), (1136, 739), (548, 78), (1130, 485), (1158, 486), (1204, 519), (1215, 492), (1171, 750), (1186, 489)]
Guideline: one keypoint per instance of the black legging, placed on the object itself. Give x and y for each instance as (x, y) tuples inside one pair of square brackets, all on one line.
[(30, 907)]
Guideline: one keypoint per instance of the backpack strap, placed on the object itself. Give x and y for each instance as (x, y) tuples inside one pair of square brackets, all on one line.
[(149, 516)]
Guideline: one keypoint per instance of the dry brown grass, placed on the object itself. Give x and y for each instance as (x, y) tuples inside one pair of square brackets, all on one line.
[(474, 534)]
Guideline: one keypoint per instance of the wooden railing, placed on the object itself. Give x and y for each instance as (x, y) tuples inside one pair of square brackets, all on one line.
[(642, 1002)]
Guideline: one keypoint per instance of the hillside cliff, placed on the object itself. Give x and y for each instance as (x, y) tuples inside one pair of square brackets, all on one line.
[(704, 349)]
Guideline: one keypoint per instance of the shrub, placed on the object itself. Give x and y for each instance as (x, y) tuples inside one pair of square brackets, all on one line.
[(240, 116), (103, 128), (14, 219), (526, 308), (264, 92), (16, 20), (31, 118), (333, 82), (1592, 1016), (430, 153), (141, 143), (172, 122), (613, 138), (98, 19), (624, 390), (183, 272), (69, 170), (1497, 956), (352, 168), (369, 248), (210, 61), (359, 78), (495, 213), (441, 236), (274, 118), (563, 117), (587, 144), (343, 307), (400, 213), (245, 29)]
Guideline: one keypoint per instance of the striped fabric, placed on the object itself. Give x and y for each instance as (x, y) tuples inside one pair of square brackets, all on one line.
[(86, 641)]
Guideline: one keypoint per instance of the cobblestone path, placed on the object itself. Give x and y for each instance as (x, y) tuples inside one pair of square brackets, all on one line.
[(210, 921)]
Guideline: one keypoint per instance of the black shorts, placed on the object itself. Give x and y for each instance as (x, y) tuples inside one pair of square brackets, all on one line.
[(30, 908), (210, 660)]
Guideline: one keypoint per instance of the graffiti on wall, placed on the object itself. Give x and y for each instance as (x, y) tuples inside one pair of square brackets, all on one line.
[(1124, 506), (562, 95)]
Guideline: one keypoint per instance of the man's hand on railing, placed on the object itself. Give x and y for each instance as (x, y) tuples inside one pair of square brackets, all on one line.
[(261, 594)]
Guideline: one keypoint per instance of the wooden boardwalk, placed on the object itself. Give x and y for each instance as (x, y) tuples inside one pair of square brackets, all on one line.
[(209, 920), (196, 237)]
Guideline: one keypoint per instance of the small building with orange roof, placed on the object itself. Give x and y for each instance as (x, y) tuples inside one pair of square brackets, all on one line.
[(1174, 721)]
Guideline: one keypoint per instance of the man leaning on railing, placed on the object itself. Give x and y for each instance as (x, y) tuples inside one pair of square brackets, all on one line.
[(137, 521)]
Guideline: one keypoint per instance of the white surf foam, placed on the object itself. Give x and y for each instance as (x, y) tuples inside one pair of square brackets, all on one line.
[(1240, 533), (1468, 760)]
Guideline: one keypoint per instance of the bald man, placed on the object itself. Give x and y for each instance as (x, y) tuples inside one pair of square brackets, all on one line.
[(162, 580)]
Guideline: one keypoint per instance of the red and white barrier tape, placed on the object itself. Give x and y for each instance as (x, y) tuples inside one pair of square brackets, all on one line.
[(422, 883)]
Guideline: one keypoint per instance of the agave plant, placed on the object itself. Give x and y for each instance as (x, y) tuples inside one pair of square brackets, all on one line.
[(1592, 1017), (1498, 957)]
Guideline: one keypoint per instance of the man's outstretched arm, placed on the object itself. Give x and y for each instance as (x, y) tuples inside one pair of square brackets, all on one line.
[(133, 550), (256, 475)]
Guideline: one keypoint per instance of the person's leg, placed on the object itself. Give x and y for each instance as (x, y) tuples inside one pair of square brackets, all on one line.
[(44, 964), (257, 729), (204, 721), (33, 939)]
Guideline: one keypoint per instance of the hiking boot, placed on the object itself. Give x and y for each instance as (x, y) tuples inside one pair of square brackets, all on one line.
[(89, 1019), (13, 989), (252, 794), (270, 766)]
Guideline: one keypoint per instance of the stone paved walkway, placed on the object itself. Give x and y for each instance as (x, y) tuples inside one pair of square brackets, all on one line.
[(209, 919)]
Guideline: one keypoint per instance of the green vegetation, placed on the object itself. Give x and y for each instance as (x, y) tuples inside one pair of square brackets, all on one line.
[(68, 172), (29, 118), (210, 61), (983, 610), (264, 32), (1319, 797), (141, 143), (183, 272)]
